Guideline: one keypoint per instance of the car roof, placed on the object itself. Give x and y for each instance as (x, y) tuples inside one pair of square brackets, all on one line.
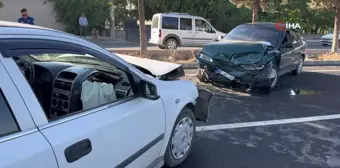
[(266, 25), (15, 30), (177, 14)]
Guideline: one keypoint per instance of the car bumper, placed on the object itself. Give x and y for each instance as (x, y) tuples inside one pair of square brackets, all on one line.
[(202, 105), (157, 42), (252, 78), (326, 41)]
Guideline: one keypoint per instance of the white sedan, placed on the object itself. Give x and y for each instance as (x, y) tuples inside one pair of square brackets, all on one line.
[(327, 39), (67, 103)]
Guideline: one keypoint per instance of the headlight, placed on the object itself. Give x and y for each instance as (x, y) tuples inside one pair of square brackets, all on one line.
[(205, 57), (247, 59)]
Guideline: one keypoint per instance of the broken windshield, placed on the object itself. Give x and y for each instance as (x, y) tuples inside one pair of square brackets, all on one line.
[(251, 33)]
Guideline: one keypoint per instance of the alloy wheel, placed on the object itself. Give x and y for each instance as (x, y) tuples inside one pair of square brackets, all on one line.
[(273, 76), (182, 138)]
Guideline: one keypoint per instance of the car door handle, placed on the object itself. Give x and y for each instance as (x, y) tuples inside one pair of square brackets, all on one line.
[(78, 150)]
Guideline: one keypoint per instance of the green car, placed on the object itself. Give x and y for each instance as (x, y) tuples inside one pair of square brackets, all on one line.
[(253, 54)]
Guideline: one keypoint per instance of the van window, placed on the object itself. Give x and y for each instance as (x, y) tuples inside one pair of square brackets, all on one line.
[(155, 20), (186, 24), (170, 23)]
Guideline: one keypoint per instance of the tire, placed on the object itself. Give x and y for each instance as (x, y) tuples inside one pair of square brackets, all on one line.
[(273, 81), (201, 76), (185, 116), (161, 47), (298, 69), (324, 44), (171, 43)]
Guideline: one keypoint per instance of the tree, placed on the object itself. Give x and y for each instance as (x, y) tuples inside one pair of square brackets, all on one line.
[(254, 5), (331, 5), (68, 12), (142, 29)]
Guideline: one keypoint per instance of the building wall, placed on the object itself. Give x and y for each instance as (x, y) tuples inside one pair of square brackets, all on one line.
[(42, 13)]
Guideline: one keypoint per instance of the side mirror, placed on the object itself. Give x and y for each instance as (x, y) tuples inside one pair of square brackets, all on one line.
[(287, 45), (149, 90)]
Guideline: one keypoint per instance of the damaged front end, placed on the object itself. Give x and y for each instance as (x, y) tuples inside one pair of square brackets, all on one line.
[(248, 64)]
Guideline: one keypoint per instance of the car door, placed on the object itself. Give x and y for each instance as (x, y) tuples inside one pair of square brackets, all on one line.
[(21, 144), (287, 53), (204, 33), (299, 47), (126, 132), (187, 33)]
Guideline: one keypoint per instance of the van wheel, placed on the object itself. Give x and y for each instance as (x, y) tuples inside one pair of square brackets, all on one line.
[(181, 138), (171, 44), (161, 47)]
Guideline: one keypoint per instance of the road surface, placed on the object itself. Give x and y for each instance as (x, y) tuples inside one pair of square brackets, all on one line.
[(259, 130)]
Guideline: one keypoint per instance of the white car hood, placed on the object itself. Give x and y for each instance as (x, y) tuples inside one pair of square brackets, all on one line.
[(157, 68)]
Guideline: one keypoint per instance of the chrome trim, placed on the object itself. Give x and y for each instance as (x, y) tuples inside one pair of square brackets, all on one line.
[(83, 113), (18, 135)]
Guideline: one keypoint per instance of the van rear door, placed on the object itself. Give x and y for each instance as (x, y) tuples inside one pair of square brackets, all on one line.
[(155, 30)]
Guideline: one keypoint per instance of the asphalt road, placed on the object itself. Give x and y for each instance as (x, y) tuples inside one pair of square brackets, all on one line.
[(251, 130)]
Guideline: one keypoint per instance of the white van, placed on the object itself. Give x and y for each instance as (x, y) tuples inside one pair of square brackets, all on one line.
[(171, 30)]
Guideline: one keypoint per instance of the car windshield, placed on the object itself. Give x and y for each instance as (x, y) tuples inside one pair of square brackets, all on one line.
[(245, 33)]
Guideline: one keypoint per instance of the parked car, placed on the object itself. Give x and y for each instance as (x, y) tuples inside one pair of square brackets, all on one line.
[(171, 30), (252, 54), (65, 102), (328, 39)]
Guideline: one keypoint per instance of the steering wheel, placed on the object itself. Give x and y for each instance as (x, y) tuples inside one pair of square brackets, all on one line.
[(27, 69)]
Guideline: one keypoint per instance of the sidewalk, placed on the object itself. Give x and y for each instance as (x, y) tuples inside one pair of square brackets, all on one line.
[(107, 40)]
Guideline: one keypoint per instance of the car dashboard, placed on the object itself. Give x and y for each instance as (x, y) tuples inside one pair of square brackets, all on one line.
[(59, 85)]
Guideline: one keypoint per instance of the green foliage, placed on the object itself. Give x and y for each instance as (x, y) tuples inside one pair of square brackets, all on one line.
[(69, 11)]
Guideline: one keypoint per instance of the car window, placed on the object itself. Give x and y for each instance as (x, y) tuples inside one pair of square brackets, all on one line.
[(68, 83), (8, 124), (201, 25), (186, 24), (155, 20), (253, 33), (170, 23)]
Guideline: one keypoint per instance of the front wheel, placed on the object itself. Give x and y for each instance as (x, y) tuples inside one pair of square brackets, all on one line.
[(298, 69), (181, 139), (273, 77)]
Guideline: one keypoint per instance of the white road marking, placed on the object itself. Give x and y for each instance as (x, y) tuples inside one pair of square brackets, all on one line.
[(267, 123)]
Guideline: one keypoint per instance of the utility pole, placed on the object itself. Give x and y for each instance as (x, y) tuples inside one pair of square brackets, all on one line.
[(112, 15)]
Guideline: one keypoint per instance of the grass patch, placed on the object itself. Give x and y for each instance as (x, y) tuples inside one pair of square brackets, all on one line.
[(328, 57)]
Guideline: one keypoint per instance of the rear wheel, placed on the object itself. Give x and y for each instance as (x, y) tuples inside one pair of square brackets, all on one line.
[(298, 69), (181, 138), (171, 44)]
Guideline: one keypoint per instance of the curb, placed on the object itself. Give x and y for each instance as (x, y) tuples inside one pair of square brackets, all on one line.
[(193, 65)]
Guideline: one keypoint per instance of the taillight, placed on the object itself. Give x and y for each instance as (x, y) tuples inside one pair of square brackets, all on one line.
[(160, 33)]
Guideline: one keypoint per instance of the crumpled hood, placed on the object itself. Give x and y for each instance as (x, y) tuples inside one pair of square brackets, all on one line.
[(229, 48)]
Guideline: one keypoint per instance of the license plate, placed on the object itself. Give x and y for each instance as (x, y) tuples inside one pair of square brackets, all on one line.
[(225, 74)]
